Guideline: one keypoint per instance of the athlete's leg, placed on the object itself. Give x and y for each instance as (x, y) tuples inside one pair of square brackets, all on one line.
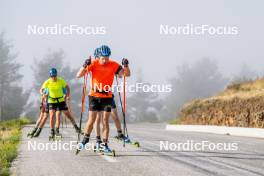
[(39, 119), (58, 120), (52, 118), (44, 119), (97, 124), (97, 127), (69, 116), (89, 126), (106, 126), (90, 122), (116, 119), (42, 123)]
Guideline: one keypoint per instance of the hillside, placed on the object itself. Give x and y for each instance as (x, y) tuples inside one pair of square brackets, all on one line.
[(240, 104)]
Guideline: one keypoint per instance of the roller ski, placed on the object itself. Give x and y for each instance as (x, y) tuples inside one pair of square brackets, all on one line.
[(82, 144), (52, 135), (122, 138), (79, 148), (55, 136), (107, 151), (31, 133), (58, 136)]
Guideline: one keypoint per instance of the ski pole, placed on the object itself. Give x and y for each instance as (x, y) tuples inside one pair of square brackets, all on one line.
[(125, 126), (123, 112), (83, 102)]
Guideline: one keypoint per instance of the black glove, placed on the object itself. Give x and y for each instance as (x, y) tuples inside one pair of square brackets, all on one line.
[(125, 62), (87, 62)]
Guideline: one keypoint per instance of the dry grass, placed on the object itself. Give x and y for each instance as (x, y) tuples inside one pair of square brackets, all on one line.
[(241, 90)]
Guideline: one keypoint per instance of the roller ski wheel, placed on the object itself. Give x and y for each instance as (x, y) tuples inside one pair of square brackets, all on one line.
[(136, 144), (109, 152), (52, 138), (30, 135), (127, 141), (58, 137)]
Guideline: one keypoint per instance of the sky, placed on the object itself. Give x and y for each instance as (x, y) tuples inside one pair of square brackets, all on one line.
[(132, 30)]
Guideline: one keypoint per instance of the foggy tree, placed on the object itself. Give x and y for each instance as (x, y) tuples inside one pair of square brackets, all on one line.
[(200, 80), (41, 69), (143, 106), (12, 96)]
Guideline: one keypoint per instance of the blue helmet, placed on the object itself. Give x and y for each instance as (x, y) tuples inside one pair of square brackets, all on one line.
[(53, 72), (97, 52), (105, 51)]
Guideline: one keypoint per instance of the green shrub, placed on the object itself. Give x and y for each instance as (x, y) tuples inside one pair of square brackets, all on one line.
[(10, 133)]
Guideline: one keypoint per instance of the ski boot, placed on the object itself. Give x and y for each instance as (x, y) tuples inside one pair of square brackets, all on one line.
[(107, 151), (32, 132), (37, 133), (123, 138), (79, 148), (52, 135), (82, 144)]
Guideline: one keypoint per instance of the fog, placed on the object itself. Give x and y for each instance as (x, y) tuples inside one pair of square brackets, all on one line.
[(133, 31)]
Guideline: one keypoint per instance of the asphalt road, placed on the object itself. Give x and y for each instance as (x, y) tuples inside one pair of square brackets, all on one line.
[(149, 159)]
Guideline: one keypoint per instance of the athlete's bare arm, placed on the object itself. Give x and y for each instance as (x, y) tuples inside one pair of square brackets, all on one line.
[(41, 91), (82, 70), (68, 90), (81, 73)]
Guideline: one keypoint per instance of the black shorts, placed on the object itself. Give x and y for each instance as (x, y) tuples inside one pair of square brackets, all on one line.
[(44, 107), (100, 104), (58, 106), (113, 102)]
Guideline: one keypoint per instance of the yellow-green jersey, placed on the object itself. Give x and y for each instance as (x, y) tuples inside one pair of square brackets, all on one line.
[(55, 89)]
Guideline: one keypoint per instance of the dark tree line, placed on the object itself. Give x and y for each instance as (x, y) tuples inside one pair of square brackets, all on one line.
[(12, 96)]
